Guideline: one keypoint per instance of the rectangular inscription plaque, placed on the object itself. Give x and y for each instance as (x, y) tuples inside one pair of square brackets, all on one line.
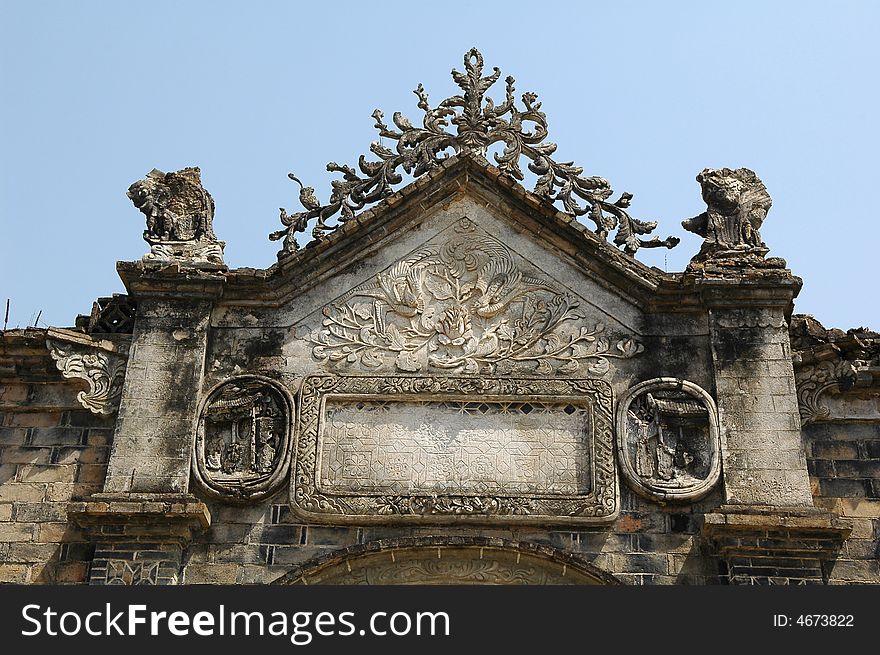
[(450, 450), (454, 447)]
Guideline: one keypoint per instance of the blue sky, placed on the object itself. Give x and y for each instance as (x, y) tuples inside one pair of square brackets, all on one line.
[(645, 94)]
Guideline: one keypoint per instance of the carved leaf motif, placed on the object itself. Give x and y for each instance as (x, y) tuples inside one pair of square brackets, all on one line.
[(396, 339), (363, 310), (600, 367), (370, 359), (406, 362), (471, 367), (629, 347), (552, 343), (571, 366)]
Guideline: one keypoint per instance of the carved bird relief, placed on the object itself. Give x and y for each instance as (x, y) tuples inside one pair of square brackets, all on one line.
[(401, 289), (499, 283)]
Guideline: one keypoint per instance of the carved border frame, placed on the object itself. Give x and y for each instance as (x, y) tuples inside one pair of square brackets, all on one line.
[(255, 491), (600, 505), (651, 492)]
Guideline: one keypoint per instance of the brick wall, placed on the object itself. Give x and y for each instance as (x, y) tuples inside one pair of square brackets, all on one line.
[(648, 544), (844, 464), (51, 451)]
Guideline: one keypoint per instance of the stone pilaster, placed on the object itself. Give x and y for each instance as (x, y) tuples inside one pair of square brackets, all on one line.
[(762, 455), (152, 445), (144, 519), (768, 532)]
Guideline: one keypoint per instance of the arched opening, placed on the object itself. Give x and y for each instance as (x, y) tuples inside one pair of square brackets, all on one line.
[(448, 561)]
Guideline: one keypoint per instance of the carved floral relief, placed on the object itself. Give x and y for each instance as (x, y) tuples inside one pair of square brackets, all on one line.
[(243, 439), (463, 305), (668, 442)]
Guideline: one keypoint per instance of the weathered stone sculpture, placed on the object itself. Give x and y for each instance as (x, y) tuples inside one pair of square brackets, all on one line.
[(179, 214), (479, 124), (738, 203)]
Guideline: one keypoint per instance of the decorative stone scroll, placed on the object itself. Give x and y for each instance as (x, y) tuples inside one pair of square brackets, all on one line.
[(668, 441), (479, 124), (815, 380), (103, 370), (179, 213), (463, 304), (242, 450), (445, 450)]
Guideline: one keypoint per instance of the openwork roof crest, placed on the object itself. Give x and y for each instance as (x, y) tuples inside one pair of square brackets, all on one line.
[(479, 124)]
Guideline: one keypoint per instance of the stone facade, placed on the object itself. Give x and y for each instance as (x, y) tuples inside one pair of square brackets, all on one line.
[(459, 384)]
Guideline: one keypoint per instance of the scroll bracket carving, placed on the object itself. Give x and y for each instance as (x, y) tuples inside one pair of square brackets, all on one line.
[(815, 380), (100, 363)]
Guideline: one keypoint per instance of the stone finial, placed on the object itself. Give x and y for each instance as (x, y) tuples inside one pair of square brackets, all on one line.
[(737, 204), (179, 214), (469, 123)]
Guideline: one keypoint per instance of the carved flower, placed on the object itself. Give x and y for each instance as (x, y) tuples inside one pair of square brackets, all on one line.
[(460, 255), (454, 327)]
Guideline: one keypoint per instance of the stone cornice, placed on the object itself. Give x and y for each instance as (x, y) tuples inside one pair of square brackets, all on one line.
[(151, 279), (154, 517), (749, 287)]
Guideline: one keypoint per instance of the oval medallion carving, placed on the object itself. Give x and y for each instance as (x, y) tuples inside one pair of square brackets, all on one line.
[(242, 447), (668, 442)]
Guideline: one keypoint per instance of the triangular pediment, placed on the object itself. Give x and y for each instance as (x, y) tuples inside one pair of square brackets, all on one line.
[(470, 300), (457, 276)]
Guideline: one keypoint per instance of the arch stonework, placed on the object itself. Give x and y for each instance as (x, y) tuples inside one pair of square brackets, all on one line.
[(448, 561)]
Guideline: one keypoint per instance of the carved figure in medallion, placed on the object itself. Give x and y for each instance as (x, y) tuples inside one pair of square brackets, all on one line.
[(242, 444), (668, 443)]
